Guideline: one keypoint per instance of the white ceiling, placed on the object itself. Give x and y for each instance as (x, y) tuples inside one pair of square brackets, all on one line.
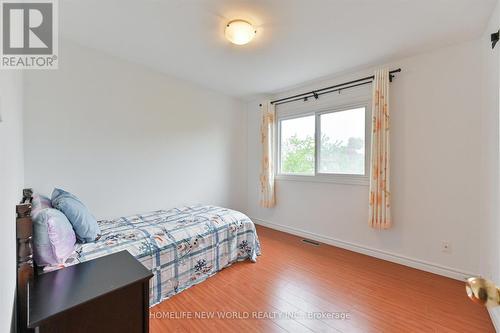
[(297, 40)]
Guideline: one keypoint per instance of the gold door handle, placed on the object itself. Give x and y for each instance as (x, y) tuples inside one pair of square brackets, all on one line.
[(483, 291)]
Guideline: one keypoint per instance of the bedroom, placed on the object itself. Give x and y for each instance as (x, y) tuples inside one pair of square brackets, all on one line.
[(150, 107)]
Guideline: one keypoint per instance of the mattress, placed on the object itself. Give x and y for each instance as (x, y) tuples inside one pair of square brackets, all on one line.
[(181, 246)]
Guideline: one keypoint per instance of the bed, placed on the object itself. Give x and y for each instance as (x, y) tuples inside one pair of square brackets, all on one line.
[(181, 246)]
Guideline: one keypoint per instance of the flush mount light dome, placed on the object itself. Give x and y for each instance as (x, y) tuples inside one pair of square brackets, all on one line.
[(240, 32)]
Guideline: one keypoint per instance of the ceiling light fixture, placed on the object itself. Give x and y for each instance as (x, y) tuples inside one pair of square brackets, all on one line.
[(240, 32)]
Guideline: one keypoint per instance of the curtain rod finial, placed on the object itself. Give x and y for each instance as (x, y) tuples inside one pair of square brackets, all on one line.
[(495, 37)]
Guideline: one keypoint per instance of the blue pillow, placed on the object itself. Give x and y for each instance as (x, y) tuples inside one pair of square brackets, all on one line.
[(84, 224)]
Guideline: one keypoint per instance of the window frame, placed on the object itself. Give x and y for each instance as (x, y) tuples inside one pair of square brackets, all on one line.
[(351, 179)]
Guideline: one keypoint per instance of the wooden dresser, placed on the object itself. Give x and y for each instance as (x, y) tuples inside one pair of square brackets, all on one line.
[(107, 294)]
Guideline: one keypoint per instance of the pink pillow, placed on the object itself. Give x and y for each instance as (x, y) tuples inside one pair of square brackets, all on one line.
[(38, 203), (53, 236)]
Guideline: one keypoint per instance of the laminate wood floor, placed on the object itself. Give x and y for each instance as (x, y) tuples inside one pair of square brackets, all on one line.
[(296, 287)]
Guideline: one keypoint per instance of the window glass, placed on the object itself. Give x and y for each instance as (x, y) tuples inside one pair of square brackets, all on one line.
[(342, 142), (297, 145)]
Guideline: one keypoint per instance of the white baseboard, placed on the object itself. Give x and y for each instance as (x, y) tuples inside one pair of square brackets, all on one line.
[(495, 318), (414, 263)]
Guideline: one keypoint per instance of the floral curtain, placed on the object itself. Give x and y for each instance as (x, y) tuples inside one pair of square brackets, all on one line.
[(380, 195), (267, 138)]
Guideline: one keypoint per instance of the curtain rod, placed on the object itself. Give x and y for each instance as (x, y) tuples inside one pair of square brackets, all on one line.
[(338, 87)]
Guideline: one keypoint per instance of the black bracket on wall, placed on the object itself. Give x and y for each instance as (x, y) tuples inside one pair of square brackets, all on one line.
[(495, 37)]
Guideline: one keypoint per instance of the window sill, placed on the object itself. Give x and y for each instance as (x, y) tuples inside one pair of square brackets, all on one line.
[(335, 179)]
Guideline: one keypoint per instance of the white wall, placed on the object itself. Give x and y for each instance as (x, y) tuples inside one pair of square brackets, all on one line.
[(127, 139), (436, 166), (490, 235), (490, 148), (11, 184)]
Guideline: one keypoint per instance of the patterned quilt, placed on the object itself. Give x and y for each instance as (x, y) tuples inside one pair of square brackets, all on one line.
[(181, 246)]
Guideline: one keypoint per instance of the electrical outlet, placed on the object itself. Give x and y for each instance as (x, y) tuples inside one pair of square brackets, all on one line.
[(446, 246)]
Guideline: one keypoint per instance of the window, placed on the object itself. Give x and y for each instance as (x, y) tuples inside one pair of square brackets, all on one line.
[(328, 145)]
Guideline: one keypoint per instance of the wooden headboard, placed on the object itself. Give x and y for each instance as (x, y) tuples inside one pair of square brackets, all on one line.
[(24, 257)]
